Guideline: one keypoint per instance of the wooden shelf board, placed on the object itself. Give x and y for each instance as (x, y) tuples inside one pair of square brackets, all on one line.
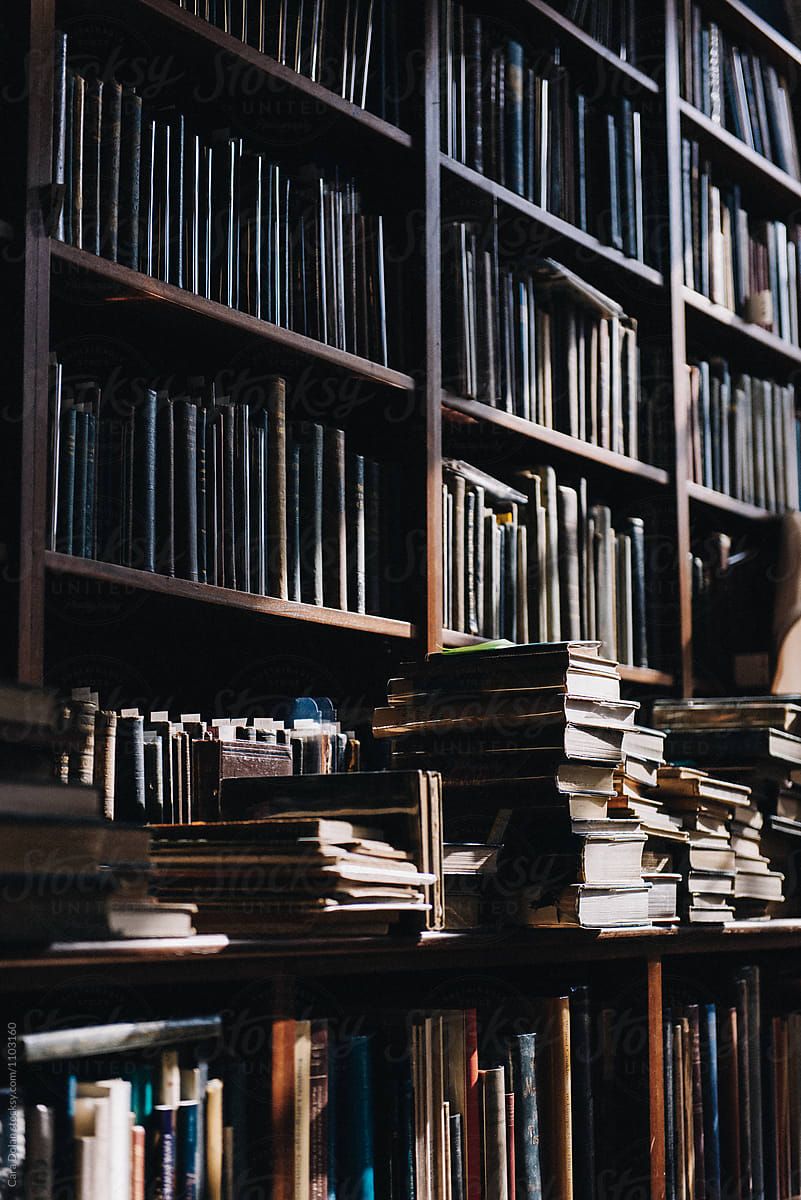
[(168, 10), (166, 585), (752, 25), (730, 504), (696, 303), (577, 34), (571, 233), (330, 956), (647, 676), (147, 288), (556, 439), (697, 124)]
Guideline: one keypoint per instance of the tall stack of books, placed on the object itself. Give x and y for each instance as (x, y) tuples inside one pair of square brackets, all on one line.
[(744, 436), (538, 730), (707, 864), (537, 560), (221, 490), (747, 264), (521, 119), (751, 741), (738, 88), (636, 799), (352, 49), (540, 343), (152, 767), (216, 216)]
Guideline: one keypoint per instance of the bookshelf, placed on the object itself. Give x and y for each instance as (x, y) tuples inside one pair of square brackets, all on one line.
[(677, 320)]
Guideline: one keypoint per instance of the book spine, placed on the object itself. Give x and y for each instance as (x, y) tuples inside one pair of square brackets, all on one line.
[(59, 132), (318, 1112), (356, 539), (186, 1150), (277, 574), (162, 1152), (355, 1166), (709, 1080), (335, 578), (110, 152)]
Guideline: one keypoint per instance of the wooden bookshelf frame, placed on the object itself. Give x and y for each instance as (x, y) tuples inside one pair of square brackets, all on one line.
[(669, 487)]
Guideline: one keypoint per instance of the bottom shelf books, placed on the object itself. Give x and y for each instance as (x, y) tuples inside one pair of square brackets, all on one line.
[(513, 1099)]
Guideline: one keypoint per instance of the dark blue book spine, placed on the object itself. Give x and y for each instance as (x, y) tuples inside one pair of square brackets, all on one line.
[(670, 1113), (144, 554), (186, 1144), (355, 1167), (514, 117), (709, 1085), (162, 1154)]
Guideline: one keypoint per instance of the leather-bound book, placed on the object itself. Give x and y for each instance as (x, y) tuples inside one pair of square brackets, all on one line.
[(143, 551), (110, 150), (165, 486), (277, 576), (59, 133), (493, 1128), (215, 761), (129, 201), (697, 1102), (335, 567), (130, 769), (92, 123), (356, 533)]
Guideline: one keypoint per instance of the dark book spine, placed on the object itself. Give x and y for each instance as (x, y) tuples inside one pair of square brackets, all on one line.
[(636, 530), (165, 487), (457, 1159), (175, 228), (143, 552), (309, 437), (59, 132), (475, 116), (66, 483), (162, 1153), (277, 487), (93, 116), (514, 117), (242, 495), (670, 1113), (755, 1070), (186, 1150), (76, 158), (698, 1102), (130, 800), (229, 531), (81, 483), (293, 531), (744, 1091), (528, 1179), (729, 1103), (110, 149), (509, 1099), (318, 1112), (709, 1081), (372, 535), (335, 578), (130, 156), (202, 496), (185, 457), (581, 1094), (356, 533), (355, 1166), (154, 777)]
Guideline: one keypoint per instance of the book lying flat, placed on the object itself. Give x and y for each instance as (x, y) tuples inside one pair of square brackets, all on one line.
[(688, 782), (741, 712), (730, 746), (595, 907)]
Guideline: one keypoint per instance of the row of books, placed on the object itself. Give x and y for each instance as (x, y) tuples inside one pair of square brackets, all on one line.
[(516, 116), (537, 562), (613, 25), (738, 88), (151, 767), (219, 490), (351, 48), (216, 217), (744, 436), (539, 343), (456, 1103), (747, 265), (731, 1115)]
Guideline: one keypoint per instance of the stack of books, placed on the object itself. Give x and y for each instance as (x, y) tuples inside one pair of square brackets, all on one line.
[(744, 436), (707, 864), (519, 118), (747, 264), (540, 343), (738, 88), (216, 216), (636, 799), (753, 741), (288, 875), (537, 560), (221, 490), (151, 766), (352, 49), (538, 730), (359, 852), (66, 874)]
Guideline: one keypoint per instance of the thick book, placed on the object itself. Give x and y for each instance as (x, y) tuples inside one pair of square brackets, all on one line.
[(214, 762), (335, 567), (528, 1179)]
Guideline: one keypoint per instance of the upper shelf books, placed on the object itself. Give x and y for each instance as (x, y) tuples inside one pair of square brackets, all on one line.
[(216, 216), (737, 88), (520, 118)]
